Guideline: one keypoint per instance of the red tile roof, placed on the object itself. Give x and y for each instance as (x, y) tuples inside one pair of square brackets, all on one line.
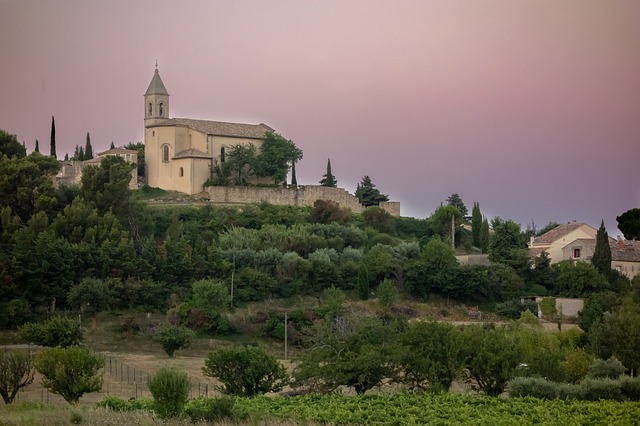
[(557, 233), (219, 128), (625, 251)]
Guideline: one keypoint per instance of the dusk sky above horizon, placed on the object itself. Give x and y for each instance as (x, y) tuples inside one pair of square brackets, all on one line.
[(531, 108)]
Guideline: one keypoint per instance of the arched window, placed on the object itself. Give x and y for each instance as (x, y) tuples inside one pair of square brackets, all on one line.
[(222, 154), (150, 109), (181, 172), (165, 153), (161, 105)]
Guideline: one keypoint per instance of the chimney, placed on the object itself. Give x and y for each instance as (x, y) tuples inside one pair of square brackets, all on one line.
[(620, 243)]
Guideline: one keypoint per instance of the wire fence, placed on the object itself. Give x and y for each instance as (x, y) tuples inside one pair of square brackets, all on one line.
[(119, 379)]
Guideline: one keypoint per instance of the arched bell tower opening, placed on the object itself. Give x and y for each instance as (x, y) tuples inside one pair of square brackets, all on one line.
[(156, 101)]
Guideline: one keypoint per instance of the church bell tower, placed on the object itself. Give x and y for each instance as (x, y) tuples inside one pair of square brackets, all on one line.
[(156, 101)]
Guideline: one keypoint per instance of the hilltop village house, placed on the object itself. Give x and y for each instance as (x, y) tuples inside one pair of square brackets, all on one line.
[(577, 242), (179, 153), (71, 171)]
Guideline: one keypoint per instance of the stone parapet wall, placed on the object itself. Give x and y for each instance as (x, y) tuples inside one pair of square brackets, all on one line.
[(301, 196)]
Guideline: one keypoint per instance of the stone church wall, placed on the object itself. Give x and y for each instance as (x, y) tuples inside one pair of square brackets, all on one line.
[(301, 196)]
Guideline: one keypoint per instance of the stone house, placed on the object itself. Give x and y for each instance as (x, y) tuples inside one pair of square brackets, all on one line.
[(71, 171), (577, 242)]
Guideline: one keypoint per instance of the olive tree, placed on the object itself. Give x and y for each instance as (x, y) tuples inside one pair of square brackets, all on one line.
[(16, 372)]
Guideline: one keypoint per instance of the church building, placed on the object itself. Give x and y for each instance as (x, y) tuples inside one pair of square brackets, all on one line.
[(179, 152)]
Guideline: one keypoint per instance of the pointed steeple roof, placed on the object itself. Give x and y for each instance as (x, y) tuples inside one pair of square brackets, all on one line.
[(156, 87)]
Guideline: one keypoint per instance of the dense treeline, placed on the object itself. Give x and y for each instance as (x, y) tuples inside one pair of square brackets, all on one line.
[(51, 239)]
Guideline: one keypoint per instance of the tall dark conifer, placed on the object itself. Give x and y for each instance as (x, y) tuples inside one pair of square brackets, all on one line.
[(88, 150), (37, 148), (476, 224), (294, 179), (81, 154), (602, 253), (484, 236), (328, 179), (53, 137)]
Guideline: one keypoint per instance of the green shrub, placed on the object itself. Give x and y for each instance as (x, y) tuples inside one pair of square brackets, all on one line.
[(630, 388), (532, 386), (57, 331), (118, 404), (76, 418), (210, 409), (173, 338), (512, 309), (602, 388), (611, 369), (387, 293), (170, 389), (569, 391), (548, 308)]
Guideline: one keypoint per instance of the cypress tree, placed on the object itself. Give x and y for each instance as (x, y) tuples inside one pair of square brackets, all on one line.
[(363, 283), (476, 224), (112, 146), (484, 236), (294, 179), (81, 155), (37, 148), (602, 254), (66, 156), (53, 137), (328, 179), (88, 150), (76, 153)]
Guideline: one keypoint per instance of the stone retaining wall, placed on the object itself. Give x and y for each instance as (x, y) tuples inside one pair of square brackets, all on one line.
[(301, 196)]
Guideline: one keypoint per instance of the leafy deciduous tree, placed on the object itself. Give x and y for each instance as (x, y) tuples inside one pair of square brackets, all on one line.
[(579, 279), (246, 371), (429, 356), (70, 372), (173, 338), (276, 154), (57, 331), (92, 295), (346, 351), (492, 354)]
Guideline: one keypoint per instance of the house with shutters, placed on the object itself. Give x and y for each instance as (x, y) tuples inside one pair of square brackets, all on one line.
[(577, 242)]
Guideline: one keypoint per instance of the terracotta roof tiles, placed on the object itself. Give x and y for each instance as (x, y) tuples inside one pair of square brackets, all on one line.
[(556, 233), (191, 153), (220, 128)]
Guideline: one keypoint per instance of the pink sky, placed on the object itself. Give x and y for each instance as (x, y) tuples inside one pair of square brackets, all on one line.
[(531, 107)]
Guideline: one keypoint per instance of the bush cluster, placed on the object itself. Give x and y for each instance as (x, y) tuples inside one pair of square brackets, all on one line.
[(590, 389)]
